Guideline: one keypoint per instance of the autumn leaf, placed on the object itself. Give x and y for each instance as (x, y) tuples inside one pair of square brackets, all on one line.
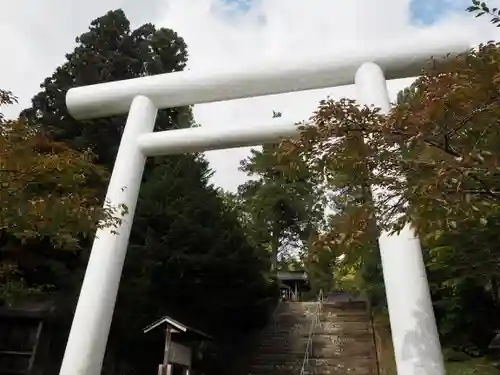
[(45, 187)]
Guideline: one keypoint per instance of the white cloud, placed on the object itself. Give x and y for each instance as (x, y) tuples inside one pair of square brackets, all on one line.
[(37, 36)]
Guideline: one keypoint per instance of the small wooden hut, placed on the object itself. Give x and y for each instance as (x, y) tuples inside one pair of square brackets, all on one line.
[(179, 343), (293, 284)]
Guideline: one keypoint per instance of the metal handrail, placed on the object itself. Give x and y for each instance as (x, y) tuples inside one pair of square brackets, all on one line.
[(314, 321)]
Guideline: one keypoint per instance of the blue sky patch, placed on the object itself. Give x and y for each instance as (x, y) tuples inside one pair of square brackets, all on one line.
[(423, 12), (427, 12), (242, 5)]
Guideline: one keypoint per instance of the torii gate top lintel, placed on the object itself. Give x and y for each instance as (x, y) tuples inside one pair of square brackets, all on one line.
[(397, 59)]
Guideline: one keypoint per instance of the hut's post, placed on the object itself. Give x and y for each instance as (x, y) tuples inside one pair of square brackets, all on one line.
[(165, 367)]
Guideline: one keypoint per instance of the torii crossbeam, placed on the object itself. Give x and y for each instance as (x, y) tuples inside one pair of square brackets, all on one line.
[(415, 337)]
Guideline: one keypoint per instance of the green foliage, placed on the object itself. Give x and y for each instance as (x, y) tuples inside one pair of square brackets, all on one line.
[(471, 367), (12, 285), (108, 51), (463, 273), (481, 9), (280, 204), (44, 187), (446, 152), (208, 262), (453, 140), (46, 202)]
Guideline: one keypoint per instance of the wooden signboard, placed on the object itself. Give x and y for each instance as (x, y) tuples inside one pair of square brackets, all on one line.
[(180, 354)]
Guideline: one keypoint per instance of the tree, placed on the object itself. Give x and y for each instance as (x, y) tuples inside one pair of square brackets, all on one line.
[(281, 204), (481, 8), (45, 199), (109, 51), (453, 143), (446, 146), (463, 258)]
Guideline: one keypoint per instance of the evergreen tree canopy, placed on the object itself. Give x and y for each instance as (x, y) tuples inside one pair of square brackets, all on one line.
[(108, 51)]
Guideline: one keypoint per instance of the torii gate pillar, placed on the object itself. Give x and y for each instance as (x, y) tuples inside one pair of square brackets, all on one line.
[(413, 325), (415, 337)]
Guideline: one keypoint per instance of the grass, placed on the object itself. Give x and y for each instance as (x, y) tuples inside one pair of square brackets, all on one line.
[(388, 366), (471, 367)]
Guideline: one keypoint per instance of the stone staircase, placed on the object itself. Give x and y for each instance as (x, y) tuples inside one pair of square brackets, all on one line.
[(342, 341)]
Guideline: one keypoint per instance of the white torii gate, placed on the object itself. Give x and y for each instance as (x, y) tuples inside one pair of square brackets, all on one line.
[(416, 342)]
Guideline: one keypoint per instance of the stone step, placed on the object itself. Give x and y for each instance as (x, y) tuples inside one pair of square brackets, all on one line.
[(365, 334), (349, 362), (294, 314), (321, 336), (344, 318), (276, 369), (284, 338), (298, 331), (333, 317), (341, 351), (345, 333), (289, 327), (335, 370), (295, 368), (280, 360), (333, 356), (290, 359), (298, 310), (343, 339), (289, 332), (298, 305), (264, 358), (346, 305), (285, 335), (318, 350), (321, 343), (351, 327), (288, 313), (341, 312), (292, 348), (290, 321)]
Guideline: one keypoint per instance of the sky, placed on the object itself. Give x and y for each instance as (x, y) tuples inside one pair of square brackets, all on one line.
[(37, 35)]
